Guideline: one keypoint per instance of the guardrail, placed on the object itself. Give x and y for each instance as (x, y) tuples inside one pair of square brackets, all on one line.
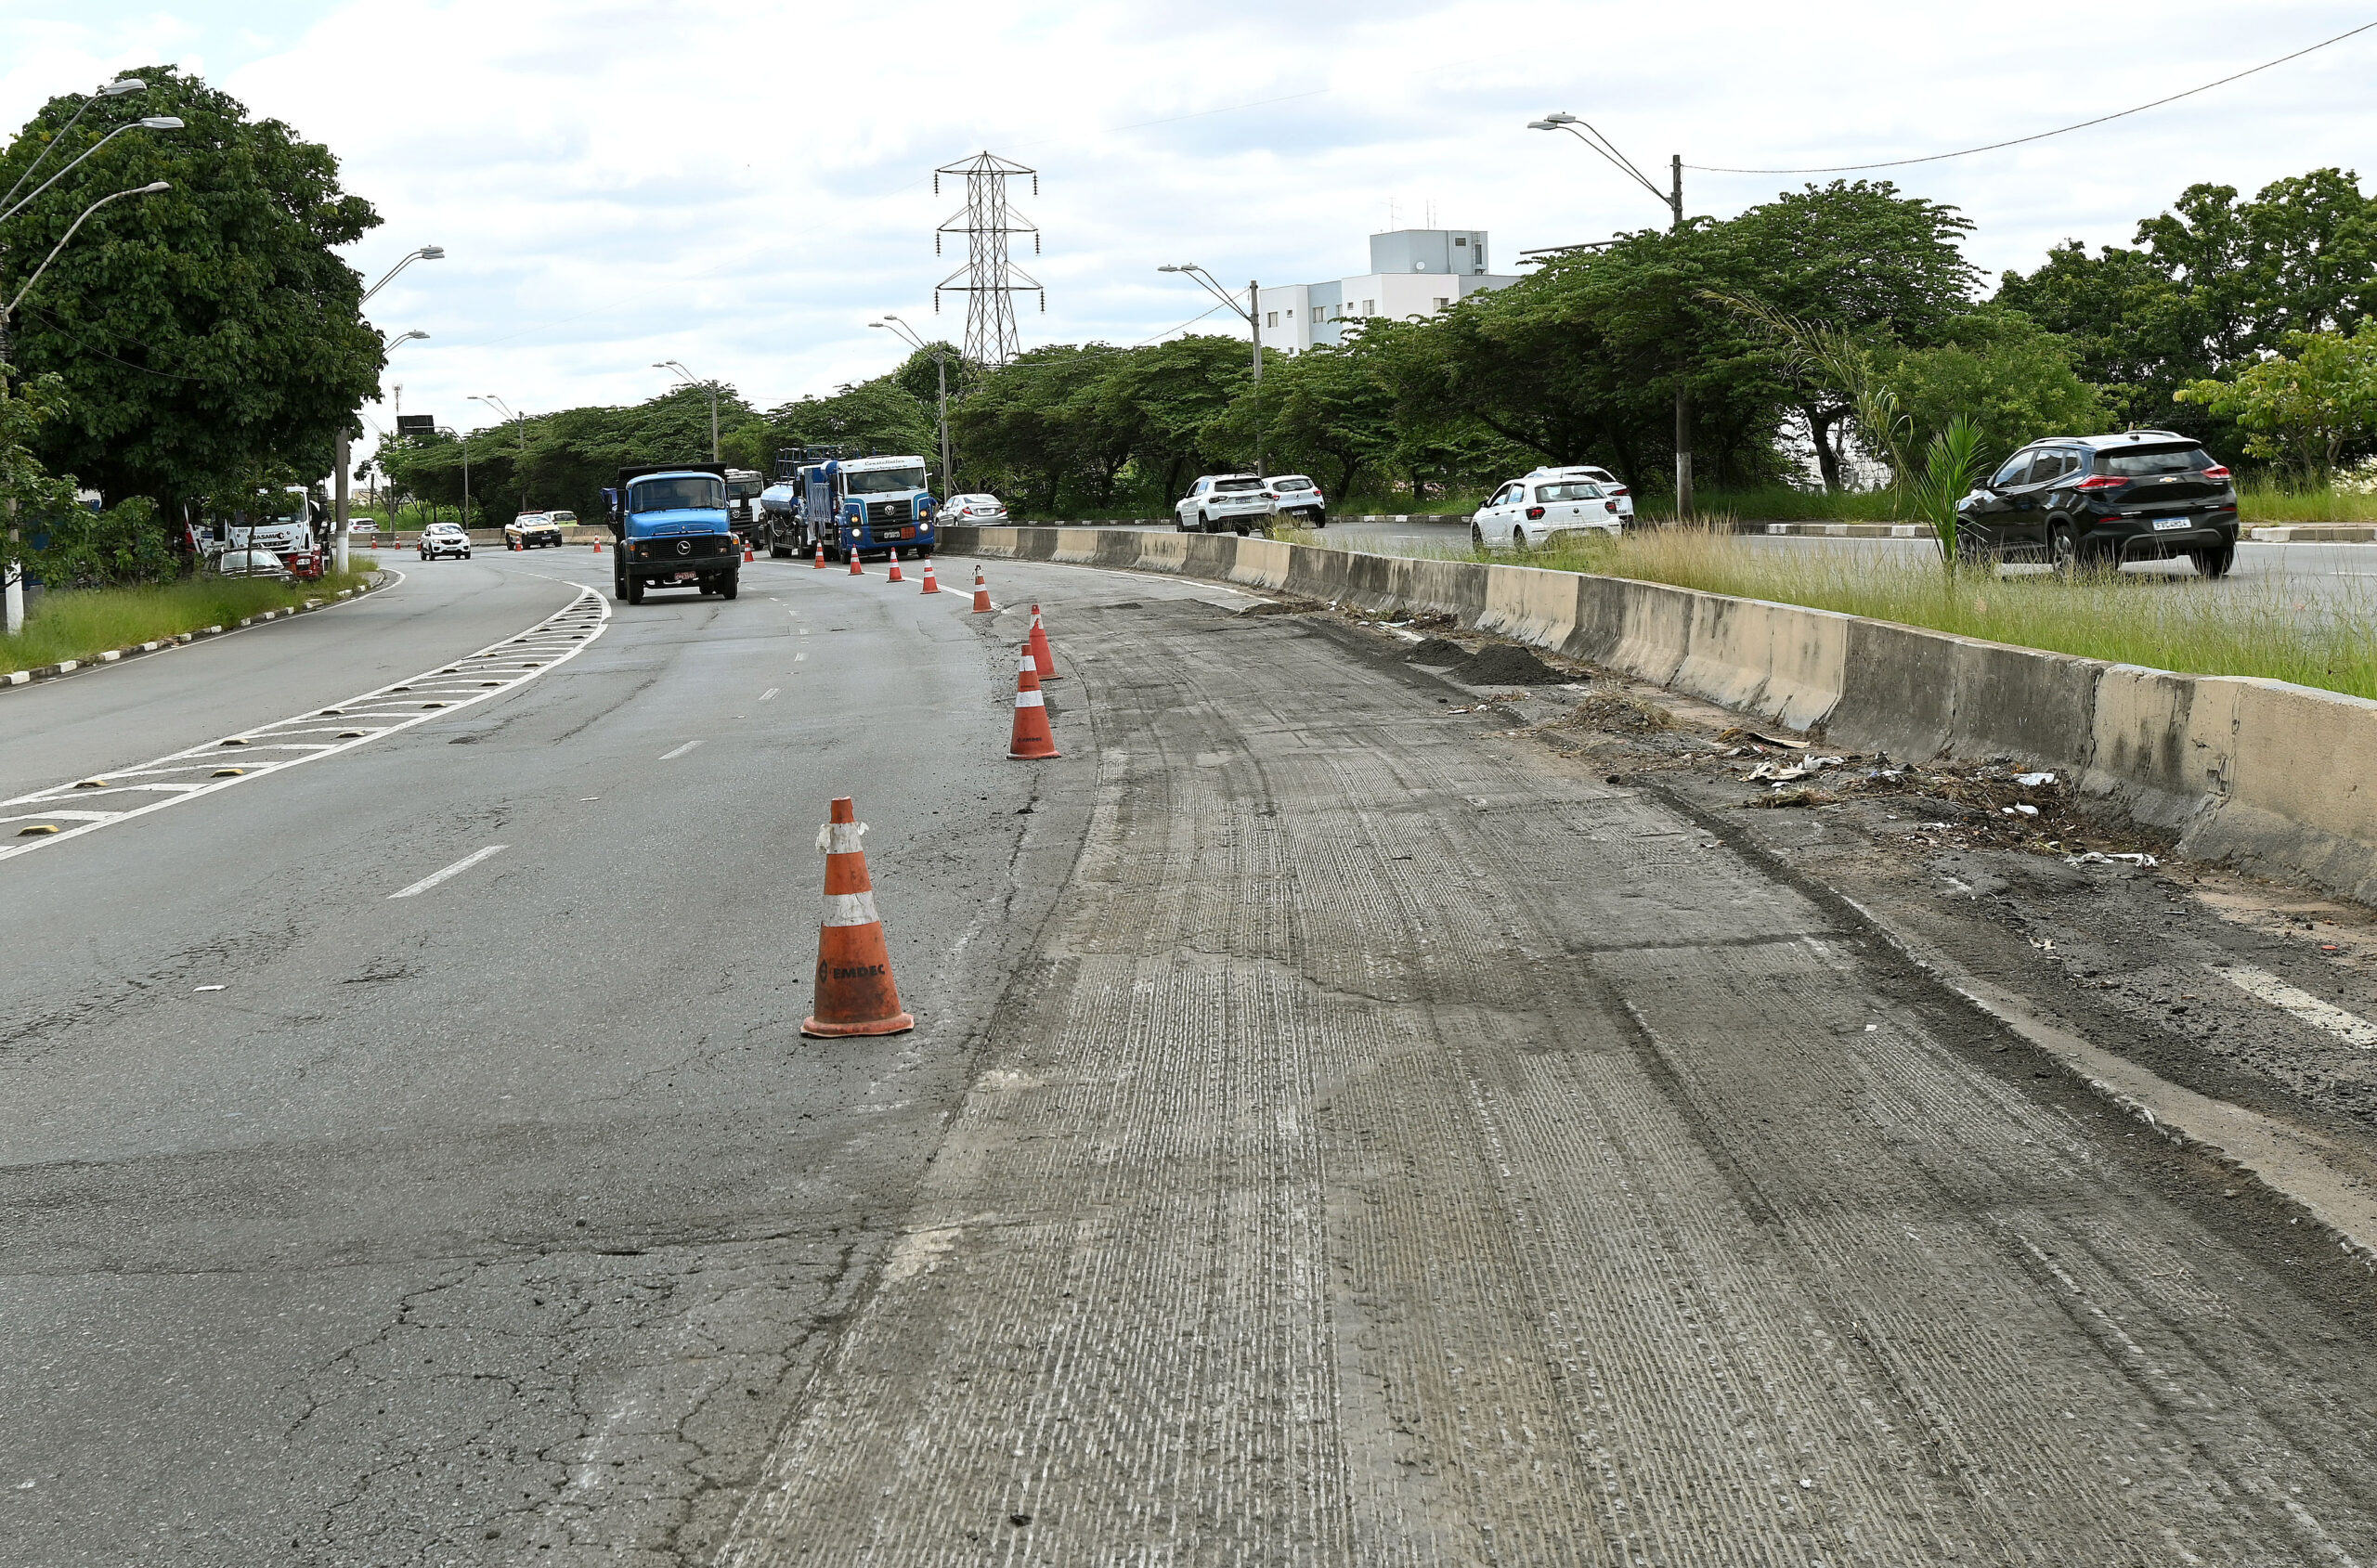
[(2263, 773)]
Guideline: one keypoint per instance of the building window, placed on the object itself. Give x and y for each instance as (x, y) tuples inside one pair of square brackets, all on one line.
[(1370, 307), (1315, 314), (1442, 301), (1460, 239), (1271, 318)]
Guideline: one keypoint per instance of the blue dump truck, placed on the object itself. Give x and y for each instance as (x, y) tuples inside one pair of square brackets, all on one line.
[(870, 506), (672, 524)]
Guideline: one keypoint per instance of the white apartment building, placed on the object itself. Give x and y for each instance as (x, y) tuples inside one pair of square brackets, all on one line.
[(1413, 272)]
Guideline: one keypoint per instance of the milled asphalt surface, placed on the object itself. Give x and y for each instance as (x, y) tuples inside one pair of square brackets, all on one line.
[(1340, 1132)]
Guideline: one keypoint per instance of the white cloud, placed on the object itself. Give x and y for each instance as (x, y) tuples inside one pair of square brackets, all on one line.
[(742, 185)]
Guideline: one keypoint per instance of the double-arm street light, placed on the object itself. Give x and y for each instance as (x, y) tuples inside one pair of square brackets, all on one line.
[(152, 123), (501, 407), (710, 387), (907, 334), (114, 89), (1250, 313), (339, 480), (1673, 198), (12, 597)]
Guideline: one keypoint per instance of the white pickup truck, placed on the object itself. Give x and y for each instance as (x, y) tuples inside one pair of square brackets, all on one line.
[(1215, 501)]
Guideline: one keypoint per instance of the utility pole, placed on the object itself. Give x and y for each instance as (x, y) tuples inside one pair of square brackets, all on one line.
[(1682, 385), (1251, 310), (1673, 197)]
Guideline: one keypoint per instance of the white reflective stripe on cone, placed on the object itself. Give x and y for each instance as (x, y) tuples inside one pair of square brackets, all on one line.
[(1029, 699), (851, 909), (841, 838)]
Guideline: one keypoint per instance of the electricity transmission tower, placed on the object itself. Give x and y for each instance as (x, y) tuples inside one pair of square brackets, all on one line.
[(991, 279)]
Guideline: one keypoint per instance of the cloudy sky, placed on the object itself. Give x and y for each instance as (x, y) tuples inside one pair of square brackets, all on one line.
[(742, 185)]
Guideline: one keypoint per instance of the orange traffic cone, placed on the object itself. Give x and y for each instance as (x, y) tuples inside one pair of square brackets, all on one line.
[(1040, 654), (747, 554), (598, 546), (856, 570), (821, 556), (895, 576), (930, 586), (1030, 738), (981, 594), (855, 993)]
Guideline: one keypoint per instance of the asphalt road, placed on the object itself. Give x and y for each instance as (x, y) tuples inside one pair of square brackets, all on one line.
[(1339, 1132)]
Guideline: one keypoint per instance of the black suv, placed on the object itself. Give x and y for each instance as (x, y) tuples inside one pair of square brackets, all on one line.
[(2144, 494)]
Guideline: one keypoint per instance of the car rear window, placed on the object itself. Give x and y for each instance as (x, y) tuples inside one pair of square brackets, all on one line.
[(1291, 483), (2145, 462), (1238, 484), (1571, 490)]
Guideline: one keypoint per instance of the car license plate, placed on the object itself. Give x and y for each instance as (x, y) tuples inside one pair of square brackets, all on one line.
[(2162, 524)]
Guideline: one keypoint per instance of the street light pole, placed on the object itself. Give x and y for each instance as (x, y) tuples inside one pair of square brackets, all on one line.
[(448, 430), (339, 485), (501, 407), (114, 89), (940, 375), (1673, 198), (12, 573), (1251, 312)]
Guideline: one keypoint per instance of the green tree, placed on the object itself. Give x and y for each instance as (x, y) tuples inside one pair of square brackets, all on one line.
[(1321, 412), (1998, 369), (201, 330), (2305, 407)]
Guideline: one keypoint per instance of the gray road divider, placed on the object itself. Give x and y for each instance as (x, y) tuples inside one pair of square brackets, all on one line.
[(2264, 774)]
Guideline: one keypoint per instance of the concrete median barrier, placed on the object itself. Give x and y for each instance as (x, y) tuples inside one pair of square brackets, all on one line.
[(2259, 773)]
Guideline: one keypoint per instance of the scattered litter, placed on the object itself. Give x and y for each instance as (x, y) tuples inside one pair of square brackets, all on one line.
[(214, 987), (2033, 781), (1805, 768), (2097, 856), (2018, 808)]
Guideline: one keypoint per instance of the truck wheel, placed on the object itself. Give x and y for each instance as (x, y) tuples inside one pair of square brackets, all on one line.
[(730, 585), (635, 591)]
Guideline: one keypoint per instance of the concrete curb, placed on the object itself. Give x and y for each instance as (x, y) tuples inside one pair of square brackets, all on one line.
[(2267, 775), (116, 655)]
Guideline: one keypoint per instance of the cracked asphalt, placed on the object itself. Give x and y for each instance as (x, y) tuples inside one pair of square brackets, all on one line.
[(1356, 1118)]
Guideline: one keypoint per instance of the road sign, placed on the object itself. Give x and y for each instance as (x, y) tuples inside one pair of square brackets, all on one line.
[(416, 424)]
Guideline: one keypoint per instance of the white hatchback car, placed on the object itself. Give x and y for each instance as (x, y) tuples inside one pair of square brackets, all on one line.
[(1222, 500), (1611, 484), (1528, 512), (443, 538), (975, 508)]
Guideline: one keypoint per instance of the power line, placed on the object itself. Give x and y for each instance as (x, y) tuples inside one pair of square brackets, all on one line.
[(2017, 141), (1183, 327)]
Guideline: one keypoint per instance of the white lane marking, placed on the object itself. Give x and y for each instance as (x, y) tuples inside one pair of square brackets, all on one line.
[(553, 642), (770, 693), (797, 658), (2350, 1028), (669, 756), (434, 877)]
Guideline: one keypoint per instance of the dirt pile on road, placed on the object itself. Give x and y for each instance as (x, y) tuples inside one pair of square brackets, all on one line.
[(1497, 664)]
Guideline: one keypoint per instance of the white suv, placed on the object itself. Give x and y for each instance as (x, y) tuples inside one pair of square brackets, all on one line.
[(1297, 497), (1528, 512), (1222, 500), (1610, 484)]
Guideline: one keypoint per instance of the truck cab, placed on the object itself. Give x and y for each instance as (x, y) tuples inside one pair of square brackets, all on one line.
[(869, 506), (673, 531), (743, 489)]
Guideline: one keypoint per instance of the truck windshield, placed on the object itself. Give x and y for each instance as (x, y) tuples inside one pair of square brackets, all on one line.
[(744, 490), (877, 481), (685, 492)]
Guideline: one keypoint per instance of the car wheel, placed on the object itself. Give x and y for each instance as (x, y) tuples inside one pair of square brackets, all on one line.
[(1241, 530), (1477, 537), (2216, 561), (2062, 548), (1204, 523), (1518, 539)]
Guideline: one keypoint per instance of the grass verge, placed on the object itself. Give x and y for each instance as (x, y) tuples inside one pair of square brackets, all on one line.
[(2255, 627), (84, 623)]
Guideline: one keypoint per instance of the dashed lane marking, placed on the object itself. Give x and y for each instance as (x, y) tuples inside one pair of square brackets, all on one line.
[(125, 793), (672, 755), (434, 877), (770, 693), (2350, 1028)]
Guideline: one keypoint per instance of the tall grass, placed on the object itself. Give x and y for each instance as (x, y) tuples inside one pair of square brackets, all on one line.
[(82, 623), (2264, 627)]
